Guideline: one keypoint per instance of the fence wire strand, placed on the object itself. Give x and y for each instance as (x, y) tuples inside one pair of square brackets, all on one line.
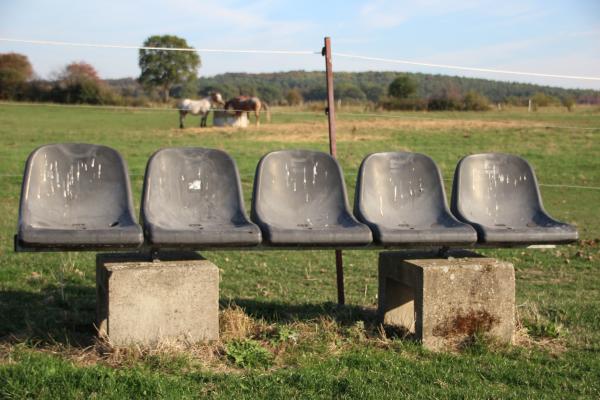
[(304, 52), (463, 68), (184, 49), (279, 112)]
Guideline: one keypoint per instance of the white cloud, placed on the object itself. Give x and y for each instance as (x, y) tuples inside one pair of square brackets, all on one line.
[(385, 14), (238, 22)]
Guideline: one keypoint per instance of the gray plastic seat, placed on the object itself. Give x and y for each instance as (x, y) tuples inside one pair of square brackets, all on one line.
[(401, 197), (498, 194), (193, 199), (76, 197), (300, 200)]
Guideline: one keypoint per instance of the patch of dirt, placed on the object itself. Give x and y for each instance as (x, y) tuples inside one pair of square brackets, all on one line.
[(349, 130), (521, 338), (417, 123)]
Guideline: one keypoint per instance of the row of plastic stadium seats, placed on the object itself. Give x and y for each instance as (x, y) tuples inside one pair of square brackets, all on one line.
[(78, 197)]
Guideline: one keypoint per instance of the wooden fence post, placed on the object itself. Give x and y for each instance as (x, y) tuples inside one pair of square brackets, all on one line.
[(330, 110)]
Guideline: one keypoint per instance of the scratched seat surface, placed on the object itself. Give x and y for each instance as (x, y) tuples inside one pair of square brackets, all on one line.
[(300, 200), (401, 197), (498, 194), (76, 197), (193, 199)]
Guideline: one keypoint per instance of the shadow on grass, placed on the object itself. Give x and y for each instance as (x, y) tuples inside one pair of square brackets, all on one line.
[(52, 315), (67, 315), (273, 311), (345, 316)]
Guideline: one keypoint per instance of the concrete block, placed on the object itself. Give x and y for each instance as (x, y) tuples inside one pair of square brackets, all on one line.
[(144, 302), (444, 301)]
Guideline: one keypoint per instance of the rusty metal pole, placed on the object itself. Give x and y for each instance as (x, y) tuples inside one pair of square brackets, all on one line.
[(330, 111)]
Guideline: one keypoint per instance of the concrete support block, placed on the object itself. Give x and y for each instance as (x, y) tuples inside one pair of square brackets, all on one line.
[(144, 302), (445, 301)]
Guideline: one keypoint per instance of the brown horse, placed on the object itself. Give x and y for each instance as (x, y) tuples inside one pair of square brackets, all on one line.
[(247, 104)]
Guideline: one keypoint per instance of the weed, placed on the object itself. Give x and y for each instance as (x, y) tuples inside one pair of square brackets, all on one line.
[(543, 329), (248, 354)]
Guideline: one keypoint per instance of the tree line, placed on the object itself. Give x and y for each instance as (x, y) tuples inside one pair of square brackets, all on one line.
[(174, 74)]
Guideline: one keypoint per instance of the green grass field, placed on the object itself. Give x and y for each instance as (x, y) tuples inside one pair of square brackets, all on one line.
[(282, 335)]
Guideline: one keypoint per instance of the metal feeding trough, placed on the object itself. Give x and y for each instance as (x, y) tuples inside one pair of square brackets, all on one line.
[(193, 199), (498, 194), (401, 197), (76, 197), (300, 200)]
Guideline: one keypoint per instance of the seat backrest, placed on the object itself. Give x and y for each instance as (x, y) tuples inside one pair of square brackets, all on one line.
[(299, 188), (495, 189), (75, 185), (187, 186), (399, 188)]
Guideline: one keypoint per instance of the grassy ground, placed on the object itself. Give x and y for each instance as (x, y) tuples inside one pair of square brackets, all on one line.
[(282, 335)]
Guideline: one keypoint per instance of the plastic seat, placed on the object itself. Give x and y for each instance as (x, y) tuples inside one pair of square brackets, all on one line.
[(498, 194), (76, 197), (300, 200), (193, 199), (401, 197)]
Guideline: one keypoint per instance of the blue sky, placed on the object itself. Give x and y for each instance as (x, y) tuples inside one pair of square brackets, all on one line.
[(558, 37)]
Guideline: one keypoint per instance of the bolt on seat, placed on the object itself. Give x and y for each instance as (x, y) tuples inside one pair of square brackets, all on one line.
[(401, 197), (300, 200), (499, 196), (76, 197), (193, 199)]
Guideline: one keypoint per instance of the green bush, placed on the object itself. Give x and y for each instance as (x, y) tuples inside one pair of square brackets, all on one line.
[(84, 91), (248, 353), (412, 104), (544, 100), (348, 92), (568, 102), (543, 329), (474, 101), (402, 87), (444, 103), (294, 97)]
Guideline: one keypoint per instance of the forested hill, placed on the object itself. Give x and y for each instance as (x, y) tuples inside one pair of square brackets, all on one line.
[(283, 87), (274, 87)]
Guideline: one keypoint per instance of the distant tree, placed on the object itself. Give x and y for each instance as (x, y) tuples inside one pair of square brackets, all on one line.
[(294, 97), (15, 71), (79, 82), (316, 93), (568, 102), (246, 89), (187, 89), (474, 101), (373, 92), (402, 87), (349, 92), (226, 90), (516, 101), (78, 71), (164, 68), (269, 93), (541, 99)]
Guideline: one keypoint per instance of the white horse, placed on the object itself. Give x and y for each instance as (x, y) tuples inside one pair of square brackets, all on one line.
[(199, 107)]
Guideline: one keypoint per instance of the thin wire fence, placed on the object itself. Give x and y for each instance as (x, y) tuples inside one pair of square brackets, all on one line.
[(184, 49), (304, 53), (310, 53), (296, 112)]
